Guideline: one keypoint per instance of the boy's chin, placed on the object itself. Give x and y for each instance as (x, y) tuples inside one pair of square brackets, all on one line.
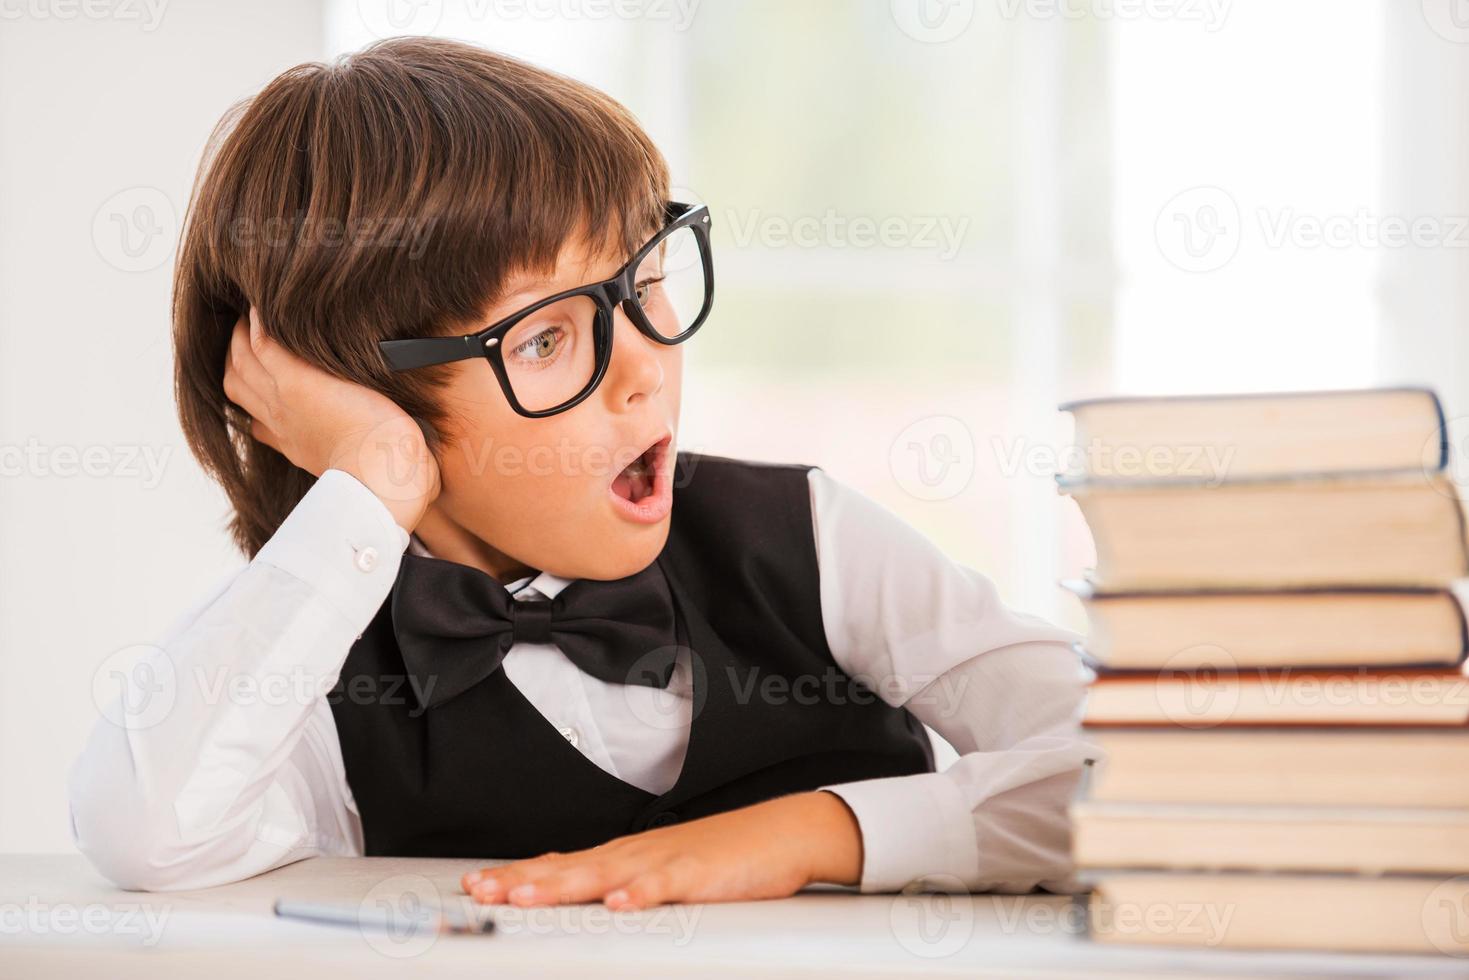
[(627, 552)]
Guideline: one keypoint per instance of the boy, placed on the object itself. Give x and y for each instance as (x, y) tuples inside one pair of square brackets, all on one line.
[(526, 625)]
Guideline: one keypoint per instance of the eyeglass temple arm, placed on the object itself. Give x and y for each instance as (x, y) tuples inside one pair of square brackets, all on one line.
[(423, 351)]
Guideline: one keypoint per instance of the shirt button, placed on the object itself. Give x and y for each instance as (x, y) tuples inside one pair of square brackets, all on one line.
[(367, 559), (570, 734)]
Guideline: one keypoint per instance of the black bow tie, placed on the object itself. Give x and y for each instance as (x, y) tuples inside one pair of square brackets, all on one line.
[(455, 624)]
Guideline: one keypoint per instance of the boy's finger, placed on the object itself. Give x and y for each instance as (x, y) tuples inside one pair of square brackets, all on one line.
[(653, 888), (263, 433), (573, 883), (245, 360), (492, 884), (240, 391), (257, 332), (265, 349)]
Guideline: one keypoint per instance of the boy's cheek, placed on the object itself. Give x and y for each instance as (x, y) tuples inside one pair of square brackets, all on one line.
[(559, 521), (538, 489)]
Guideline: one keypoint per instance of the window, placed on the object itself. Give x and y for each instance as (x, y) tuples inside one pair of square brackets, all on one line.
[(924, 242)]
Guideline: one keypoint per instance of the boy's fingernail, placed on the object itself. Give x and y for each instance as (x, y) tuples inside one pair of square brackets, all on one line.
[(615, 898), (522, 893), (474, 877)]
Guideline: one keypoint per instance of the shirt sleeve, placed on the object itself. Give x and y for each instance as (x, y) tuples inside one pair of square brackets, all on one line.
[(1002, 687), (218, 757)]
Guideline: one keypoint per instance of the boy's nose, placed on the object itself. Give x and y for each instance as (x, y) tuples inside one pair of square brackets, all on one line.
[(636, 369)]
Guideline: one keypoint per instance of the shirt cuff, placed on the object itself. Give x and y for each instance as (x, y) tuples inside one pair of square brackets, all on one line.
[(913, 827), (341, 540)]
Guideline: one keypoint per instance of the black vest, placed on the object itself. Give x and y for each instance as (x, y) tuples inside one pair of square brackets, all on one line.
[(486, 775)]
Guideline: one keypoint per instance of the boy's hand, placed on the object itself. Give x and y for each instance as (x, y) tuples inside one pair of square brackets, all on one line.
[(320, 422), (769, 850)]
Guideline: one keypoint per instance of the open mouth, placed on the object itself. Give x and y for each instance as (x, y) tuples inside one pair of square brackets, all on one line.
[(638, 479), (643, 490)]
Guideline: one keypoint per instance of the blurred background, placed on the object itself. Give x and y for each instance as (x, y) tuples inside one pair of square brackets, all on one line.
[(934, 221)]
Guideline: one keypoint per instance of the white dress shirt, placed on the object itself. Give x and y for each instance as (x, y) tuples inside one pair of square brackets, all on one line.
[(223, 760)]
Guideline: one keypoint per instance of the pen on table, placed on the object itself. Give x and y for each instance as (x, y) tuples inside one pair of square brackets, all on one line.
[(436, 920)]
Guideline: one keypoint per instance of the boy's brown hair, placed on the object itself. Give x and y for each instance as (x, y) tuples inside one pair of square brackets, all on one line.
[(386, 195)]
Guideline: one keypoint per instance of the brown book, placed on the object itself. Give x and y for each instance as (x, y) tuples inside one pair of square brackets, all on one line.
[(1401, 528), (1364, 839), (1211, 699), (1302, 628), (1249, 436), (1348, 913), (1359, 766)]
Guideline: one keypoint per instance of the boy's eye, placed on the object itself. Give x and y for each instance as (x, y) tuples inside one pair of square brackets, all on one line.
[(542, 346), (644, 290)]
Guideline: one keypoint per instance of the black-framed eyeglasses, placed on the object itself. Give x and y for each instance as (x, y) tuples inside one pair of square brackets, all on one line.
[(551, 355)]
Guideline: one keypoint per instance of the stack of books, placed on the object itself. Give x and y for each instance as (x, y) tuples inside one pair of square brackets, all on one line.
[(1280, 698)]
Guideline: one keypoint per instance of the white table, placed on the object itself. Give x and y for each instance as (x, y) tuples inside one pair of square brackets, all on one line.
[(59, 918)]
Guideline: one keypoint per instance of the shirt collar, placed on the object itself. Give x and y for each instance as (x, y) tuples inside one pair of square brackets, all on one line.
[(545, 583)]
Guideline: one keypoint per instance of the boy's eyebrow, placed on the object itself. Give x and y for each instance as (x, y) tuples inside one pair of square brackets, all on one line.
[(518, 287), (522, 286)]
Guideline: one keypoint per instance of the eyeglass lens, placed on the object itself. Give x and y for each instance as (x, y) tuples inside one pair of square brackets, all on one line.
[(550, 356)]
